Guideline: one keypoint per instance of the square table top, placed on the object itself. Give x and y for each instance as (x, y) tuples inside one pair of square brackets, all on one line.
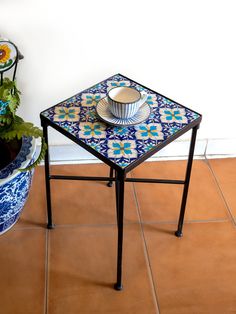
[(121, 147)]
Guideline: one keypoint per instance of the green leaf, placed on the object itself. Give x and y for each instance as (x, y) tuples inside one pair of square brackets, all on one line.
[(10, 93), (13, 126), (20, 129), (6, 119)]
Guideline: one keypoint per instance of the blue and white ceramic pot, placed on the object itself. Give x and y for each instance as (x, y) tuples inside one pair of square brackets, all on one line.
[(15, 185)]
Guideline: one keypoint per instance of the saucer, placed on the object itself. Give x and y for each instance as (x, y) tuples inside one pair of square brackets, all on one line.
[(105, 114)]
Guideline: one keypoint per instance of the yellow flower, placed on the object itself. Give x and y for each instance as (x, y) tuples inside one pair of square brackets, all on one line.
[(5, 52)]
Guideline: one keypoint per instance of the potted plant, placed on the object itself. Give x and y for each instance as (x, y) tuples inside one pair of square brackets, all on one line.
[(17, 143)]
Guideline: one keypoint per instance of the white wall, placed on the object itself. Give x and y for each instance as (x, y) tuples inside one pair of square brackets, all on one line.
[(186, 50)]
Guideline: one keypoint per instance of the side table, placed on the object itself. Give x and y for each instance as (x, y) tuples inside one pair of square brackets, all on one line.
[(121, 148)]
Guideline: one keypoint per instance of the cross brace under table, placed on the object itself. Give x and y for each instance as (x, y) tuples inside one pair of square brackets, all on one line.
[(120, 178)]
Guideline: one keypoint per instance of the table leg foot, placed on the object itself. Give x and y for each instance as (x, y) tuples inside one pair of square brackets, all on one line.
[(118, 287), (179, 234), (51, 226), (109, 184)]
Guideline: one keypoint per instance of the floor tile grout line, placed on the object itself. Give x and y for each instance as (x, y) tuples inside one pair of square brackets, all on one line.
[(29, 228), (46, 271), (147, 255), (93, 225), (76, 225), (106, 225), (125, 223), (205, 151), (221, 192), (146, 252), (171, 222)]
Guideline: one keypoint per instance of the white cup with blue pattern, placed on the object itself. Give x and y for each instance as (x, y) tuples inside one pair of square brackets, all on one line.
[(124, 102)]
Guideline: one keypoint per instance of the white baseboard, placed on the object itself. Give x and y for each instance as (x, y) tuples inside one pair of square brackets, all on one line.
[(221, 147), (210, 148)]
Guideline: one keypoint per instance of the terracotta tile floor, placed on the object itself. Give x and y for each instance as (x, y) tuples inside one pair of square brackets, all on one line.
[(72, 268)]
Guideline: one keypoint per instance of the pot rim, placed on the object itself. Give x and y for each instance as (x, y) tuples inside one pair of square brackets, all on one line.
[(22, 160)]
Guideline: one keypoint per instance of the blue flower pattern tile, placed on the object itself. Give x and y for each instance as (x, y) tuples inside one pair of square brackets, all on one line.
[(121, 145)]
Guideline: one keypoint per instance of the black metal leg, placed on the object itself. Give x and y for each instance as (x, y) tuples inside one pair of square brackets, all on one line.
[(120, 202), (117, 199), (179, 233), (50, 225), (111, 176)]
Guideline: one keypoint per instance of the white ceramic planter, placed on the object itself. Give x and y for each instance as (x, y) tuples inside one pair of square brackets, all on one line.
[(15, 185)]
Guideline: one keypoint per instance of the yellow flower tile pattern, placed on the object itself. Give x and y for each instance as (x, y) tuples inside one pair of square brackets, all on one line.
[(70, 114), (5, 52), (8, 54)]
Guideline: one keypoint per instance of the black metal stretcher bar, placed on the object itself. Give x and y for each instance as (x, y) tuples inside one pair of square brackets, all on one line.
[(120, 179), (141, 180)]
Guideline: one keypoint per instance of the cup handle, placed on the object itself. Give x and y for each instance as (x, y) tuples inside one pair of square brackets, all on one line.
[(143, 98)]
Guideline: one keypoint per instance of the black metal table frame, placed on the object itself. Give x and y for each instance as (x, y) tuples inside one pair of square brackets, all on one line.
[(118, 175)]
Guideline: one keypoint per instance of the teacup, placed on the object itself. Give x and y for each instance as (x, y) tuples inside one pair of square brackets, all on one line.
[(124, 102)]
